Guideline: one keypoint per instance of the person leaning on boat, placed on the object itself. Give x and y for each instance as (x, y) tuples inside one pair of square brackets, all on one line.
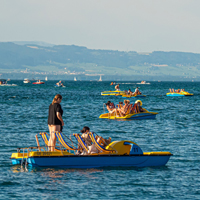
[(55, 121)]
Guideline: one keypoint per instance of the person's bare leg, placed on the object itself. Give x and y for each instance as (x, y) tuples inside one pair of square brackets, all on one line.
[(50, 141), (53, 136)]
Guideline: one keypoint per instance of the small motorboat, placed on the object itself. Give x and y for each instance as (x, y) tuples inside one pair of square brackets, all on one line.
[(115, 93), (3, 82), (26, 80), (38, 82), (123, 153), (143, 82), (59, 84)]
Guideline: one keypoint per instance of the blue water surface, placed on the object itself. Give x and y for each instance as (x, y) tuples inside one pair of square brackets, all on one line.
[(24, 113)]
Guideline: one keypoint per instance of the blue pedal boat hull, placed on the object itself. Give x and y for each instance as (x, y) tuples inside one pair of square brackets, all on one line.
[(100, 161)]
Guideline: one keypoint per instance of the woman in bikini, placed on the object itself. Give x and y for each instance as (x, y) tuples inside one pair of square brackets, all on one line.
[(110, 107), (123, 110)]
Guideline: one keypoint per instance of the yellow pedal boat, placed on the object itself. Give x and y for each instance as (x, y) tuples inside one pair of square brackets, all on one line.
[(129, 96), (141, 115), (178, 94), (123, 153), (115, 93)]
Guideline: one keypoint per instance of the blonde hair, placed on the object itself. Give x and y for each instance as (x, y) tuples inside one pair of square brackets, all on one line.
[(126, 101), (58, 96)]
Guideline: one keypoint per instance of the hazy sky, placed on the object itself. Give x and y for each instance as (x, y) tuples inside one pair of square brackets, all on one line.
[(127, 25)]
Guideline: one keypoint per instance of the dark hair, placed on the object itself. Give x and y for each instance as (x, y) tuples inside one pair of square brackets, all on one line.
[(120, 102), (85, 128), (108, 103)]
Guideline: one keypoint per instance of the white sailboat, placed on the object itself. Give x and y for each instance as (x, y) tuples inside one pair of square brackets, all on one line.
[(75, 79), (46, 79), (100, 78)]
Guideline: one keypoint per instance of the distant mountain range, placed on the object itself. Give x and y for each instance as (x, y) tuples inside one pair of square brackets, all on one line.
[(71, 59)]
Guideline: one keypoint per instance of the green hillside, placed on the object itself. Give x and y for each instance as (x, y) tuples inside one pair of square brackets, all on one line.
[(71, 59)]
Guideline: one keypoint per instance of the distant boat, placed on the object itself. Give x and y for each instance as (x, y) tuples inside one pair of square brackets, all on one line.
[(143, 82), (3, 82), (46, 79), (100, 78), (26, 80), (75, 79), (8, 79), (38, 82)]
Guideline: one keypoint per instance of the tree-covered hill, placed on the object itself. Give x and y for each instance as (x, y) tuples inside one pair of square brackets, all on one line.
[(70, 57)]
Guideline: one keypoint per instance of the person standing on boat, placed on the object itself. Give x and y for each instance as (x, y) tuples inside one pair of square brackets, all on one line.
[(117, 87), (55, 121)]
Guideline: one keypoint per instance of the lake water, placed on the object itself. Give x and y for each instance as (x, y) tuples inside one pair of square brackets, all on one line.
[(24, 112)]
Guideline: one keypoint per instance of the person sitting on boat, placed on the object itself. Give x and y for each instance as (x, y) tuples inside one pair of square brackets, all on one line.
[(117, 87), (129, 92), (139, 106), (85, 135), (137, 92), (124, 109), (102, 141), (120, 105), (86, 139), (91, 147), (59, 83), (110, 107)]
